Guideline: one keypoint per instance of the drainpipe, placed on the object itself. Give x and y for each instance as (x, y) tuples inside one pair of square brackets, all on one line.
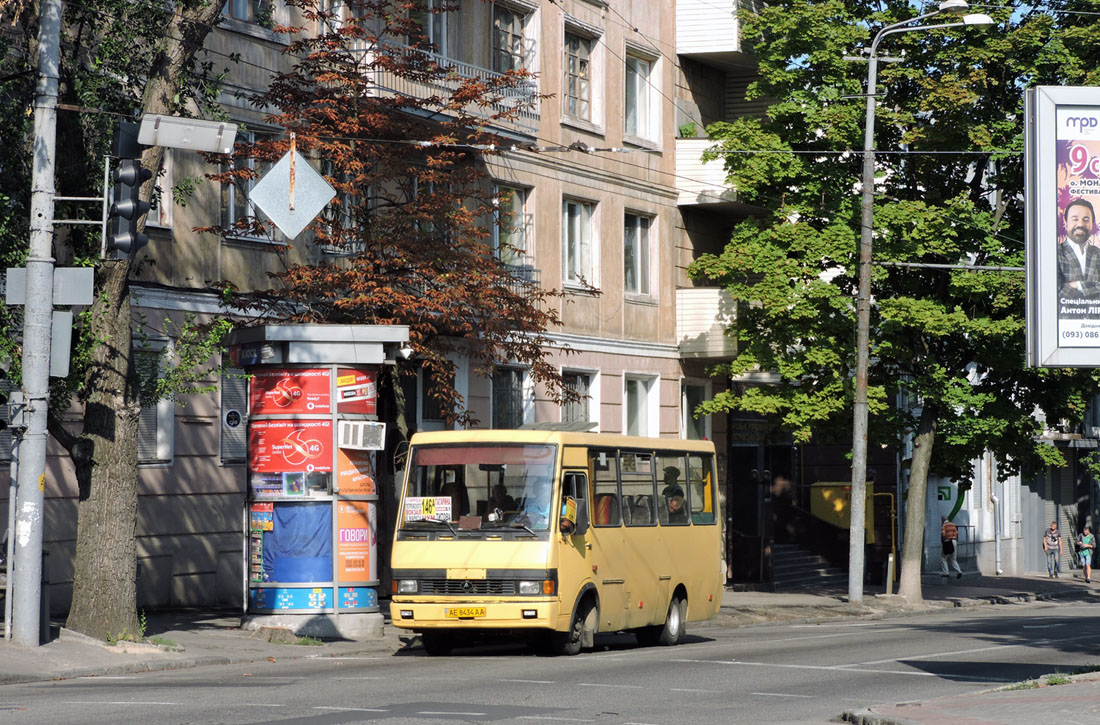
[(996, 514)]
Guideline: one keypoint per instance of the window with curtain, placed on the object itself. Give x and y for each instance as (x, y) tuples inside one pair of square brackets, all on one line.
[(577, 243), (636, 254), (639, 121)]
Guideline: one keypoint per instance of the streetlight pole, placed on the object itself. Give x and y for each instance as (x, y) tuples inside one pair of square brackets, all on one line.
[(856, 537)]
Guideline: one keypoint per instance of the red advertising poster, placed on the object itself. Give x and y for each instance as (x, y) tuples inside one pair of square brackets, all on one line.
[(276, 446), (356, 391), (355, 472), (357, 541), (285, 392)]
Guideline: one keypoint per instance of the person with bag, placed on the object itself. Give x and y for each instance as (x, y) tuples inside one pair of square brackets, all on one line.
[(1052, 545), (1085, 544), (949, 535)]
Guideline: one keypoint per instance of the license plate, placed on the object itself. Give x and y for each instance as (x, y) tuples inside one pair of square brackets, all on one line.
[(464, 612)]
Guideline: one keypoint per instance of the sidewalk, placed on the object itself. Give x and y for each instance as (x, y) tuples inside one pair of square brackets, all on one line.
[(204, 638)]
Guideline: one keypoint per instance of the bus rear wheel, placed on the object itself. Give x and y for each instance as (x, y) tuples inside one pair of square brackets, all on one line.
[(671, 632)]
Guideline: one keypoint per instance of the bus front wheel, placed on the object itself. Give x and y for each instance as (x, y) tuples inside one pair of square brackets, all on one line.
[(671, 632), (572, 640)]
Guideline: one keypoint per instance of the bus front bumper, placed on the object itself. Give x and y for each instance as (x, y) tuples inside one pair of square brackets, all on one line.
[(474, 614)]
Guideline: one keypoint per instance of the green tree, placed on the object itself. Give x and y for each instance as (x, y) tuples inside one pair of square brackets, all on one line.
[(948, 191), (117, 56)]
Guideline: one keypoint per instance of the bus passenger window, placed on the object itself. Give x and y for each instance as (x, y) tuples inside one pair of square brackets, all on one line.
[(701, 473), (672, 506), (637, 483), (605, 487)]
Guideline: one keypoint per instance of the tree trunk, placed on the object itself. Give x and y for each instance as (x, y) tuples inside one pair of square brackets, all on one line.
[(105, 574), (912, 554)]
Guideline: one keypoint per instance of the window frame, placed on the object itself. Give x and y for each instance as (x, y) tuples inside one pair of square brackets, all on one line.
[(165, 413), (227, 209), (521, 19), (650, 404), (593, 400), (642, 267), (646, 109), (524, 404), (686, 408), (587, 270), (520, 254)]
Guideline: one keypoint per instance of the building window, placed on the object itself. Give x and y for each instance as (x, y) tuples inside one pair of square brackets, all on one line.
[(577, 243), (639, 95), (428, 14), (510, 47), (640, 406), (577, 411), (432, 412), (691, 395), (636, 254), (578, 77), (155, 422), (235, 207), (511, 225), (249, 11), (508, 398)]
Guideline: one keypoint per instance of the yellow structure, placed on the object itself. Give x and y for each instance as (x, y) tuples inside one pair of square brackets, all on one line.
[(831, 502)]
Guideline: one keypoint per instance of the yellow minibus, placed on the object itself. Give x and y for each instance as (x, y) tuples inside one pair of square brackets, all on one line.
[(554, 536)]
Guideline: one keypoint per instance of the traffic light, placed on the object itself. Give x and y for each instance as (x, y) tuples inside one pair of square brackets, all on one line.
[(122, 236)]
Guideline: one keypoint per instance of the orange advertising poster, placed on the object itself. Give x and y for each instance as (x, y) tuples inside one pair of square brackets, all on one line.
[(286, 392), (356, 391), (357, 543), (355, 472)]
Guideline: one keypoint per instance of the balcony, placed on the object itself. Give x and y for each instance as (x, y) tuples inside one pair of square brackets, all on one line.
[(709, 29), (698, 182), (703, 316), (525, 276), (525, 122)]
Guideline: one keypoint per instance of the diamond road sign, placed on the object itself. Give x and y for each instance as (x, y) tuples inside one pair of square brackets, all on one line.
[(312, 193)]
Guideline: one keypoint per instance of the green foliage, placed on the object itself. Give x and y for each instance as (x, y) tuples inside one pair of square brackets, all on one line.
[(187, 371), (949, 339)]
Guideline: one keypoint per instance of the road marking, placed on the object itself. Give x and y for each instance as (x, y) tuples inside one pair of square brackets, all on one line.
[(780, 694), (358, 678), (348, 709), (684, 689), (109, 702), (600, 684), (1037, 643), (259, 704), (532, 682), (822, 636), (554, 718), (830, 668), (1044, 626)]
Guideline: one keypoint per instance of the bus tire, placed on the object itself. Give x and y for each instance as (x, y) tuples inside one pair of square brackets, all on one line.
[(672, 631), (570, 642), (437, 644)]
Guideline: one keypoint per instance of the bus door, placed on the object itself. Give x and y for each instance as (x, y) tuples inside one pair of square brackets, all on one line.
[(609, 558), (575, 552)]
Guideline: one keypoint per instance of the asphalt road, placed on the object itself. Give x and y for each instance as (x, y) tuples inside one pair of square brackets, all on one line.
[(781, 673)]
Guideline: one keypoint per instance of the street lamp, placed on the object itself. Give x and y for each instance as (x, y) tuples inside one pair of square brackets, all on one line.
[(863, 306)]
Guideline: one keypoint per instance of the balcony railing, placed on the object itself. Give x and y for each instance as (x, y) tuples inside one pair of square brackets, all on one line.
[(525, 274), (700, 182), (709, 27), (524, 120), (703, 317)]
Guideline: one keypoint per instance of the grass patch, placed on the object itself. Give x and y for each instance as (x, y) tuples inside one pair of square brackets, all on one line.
[(1058, 680), (1028, 685), (309, 641), (161, 641)]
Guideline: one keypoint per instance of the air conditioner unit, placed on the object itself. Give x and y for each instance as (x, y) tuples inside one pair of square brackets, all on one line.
[(363, 435)]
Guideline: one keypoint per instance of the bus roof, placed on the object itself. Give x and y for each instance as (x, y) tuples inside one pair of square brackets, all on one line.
[(567, 438)]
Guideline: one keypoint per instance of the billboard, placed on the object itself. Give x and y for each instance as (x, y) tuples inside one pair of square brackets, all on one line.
[(292, 391), (1062, 178)]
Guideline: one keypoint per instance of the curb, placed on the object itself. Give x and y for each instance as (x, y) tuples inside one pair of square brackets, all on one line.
[(866, 717)]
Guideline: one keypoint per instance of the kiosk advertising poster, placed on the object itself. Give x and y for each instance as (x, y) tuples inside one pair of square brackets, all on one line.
[(354, 472), (357, 538), (290, 392), (290, 446), (1063, 244), (356, 391)]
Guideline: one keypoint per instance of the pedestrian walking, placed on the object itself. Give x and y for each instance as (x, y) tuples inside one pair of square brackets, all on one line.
[(949, 537), (1052, 545), (1085, 544)]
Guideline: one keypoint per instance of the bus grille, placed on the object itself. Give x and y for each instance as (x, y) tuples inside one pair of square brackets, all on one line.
[(468, 586)]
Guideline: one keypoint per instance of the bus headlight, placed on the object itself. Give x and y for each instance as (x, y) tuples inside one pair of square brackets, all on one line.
[(406, 586), (530, 587)]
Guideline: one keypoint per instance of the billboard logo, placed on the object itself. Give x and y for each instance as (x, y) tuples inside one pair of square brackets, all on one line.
[(1081, 122)]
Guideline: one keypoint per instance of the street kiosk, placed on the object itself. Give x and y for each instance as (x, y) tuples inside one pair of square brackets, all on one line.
[(311, 520)]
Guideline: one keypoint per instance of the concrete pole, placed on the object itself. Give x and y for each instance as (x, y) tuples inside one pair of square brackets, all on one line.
[(36, 338)]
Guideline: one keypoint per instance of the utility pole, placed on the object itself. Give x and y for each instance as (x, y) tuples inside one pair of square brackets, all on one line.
[(38, 320)]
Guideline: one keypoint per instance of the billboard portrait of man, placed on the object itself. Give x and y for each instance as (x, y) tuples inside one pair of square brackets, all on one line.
[(1078, 259)]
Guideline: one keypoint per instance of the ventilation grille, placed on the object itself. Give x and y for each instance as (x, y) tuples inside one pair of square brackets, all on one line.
[(363, 435)]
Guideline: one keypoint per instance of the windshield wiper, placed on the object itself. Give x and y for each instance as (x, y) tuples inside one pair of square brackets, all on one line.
[(438, 521), (521, 525)]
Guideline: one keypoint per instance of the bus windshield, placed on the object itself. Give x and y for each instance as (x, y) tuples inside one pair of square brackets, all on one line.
[(477, 486)]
